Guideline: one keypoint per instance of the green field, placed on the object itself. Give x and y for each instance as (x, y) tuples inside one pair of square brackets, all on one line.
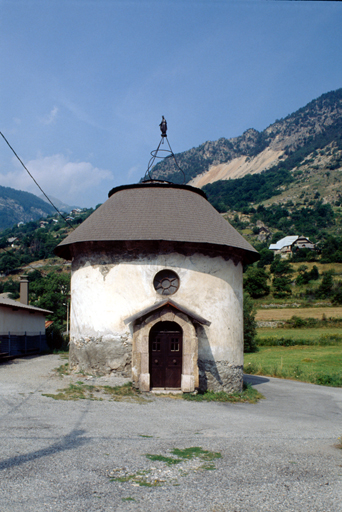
[(296, 334), (316, 364)]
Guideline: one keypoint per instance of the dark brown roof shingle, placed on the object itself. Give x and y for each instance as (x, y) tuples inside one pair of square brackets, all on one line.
[(157, 211)]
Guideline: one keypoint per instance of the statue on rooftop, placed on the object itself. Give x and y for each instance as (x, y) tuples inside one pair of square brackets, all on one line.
[(163, 126)]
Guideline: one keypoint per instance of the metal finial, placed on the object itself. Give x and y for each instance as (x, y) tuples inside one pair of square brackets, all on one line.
[(160, 153), (163, 126)]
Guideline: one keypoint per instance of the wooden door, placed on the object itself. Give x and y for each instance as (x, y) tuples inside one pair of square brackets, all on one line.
[(166, 355)]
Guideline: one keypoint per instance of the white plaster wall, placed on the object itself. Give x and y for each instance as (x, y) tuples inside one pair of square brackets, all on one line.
[(21, 321), (103, 295)]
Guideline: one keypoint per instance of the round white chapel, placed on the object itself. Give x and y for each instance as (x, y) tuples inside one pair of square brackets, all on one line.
[(156, 290)]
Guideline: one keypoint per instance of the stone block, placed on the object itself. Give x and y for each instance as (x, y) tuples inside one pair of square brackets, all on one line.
[(167, 316), (144, 382), (145, 360), (142, 344), (187, 364), (187, 383)]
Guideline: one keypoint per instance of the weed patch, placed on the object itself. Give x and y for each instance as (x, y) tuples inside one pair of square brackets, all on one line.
[(79, 391), (63, 370), (161, 458), (169, 468), (74, 392), (123, 393), (196, 451), (141, 478), (249, 394)]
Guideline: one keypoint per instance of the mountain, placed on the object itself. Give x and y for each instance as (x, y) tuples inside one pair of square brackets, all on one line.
[(308, 141), (18, 206), (63, 207)]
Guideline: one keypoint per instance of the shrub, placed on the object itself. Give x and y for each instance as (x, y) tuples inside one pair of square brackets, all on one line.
[(255, 282), (249, 325), (55, 339)]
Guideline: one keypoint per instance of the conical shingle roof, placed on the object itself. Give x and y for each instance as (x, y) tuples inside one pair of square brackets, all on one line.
[(157, 211)]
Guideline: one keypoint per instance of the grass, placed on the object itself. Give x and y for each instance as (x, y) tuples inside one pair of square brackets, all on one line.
[(307, 333), (186, 454), (292, 337), (170, 461), (81, 391), (196, 451), (63, 370), (140, 478), (156, 476), (126, 392), (78, 391), (315, 364), (249, 394)]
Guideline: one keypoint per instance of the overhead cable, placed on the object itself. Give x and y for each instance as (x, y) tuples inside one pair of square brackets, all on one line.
[(40, 188)]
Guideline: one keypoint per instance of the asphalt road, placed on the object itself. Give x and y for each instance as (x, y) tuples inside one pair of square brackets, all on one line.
[(276, 455)]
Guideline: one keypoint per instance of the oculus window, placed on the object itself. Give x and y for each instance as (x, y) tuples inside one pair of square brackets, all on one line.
[(166, 282)]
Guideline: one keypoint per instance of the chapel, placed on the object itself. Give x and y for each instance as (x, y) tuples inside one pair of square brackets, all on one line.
[(156, 290)]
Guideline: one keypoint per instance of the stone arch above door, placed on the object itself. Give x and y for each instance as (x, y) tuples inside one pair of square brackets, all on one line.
[(140, 356)]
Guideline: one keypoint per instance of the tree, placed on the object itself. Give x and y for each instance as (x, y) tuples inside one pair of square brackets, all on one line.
[(255, 282), (249, 325), (281, 266), (266, 258), (281, 270), (51, 292), (282, 286), (325, 288), (337, 293), (8, 262)]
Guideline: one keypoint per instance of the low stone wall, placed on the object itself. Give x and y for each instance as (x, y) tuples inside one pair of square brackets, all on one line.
[(102, 355), (274, 324), (220, 376)]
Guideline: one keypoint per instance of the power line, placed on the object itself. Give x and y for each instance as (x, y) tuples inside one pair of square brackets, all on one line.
[(40, 188), (27, 265)]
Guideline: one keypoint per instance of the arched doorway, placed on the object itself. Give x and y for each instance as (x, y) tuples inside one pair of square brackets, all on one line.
[(166, 351)]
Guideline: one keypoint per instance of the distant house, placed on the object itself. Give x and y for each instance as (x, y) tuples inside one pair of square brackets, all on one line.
[(12, 240), (289, 244), (22, 327)]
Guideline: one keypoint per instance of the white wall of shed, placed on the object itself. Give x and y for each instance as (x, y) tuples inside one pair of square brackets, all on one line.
[(20, 321)]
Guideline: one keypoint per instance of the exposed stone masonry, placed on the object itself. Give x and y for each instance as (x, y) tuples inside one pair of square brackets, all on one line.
[(102, 355), (220, 376)]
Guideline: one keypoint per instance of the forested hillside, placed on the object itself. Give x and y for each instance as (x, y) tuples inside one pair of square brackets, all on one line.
[(18, 206)]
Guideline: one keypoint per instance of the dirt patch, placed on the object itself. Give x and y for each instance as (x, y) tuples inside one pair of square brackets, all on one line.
[(267, 315)]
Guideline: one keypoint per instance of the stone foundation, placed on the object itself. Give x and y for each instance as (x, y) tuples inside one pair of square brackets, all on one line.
[(220, 376), (102, 355)]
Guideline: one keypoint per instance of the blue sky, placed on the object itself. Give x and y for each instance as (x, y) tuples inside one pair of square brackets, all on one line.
[(84, 83)]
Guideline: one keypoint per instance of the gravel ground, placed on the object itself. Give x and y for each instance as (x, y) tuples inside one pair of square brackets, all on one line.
[(277, 455)]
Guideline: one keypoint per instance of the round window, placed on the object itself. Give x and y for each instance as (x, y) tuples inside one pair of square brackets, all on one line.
[(166, 282)]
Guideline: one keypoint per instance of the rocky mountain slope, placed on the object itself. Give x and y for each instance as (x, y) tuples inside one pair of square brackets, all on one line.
[(18, 206), (291, 143)]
